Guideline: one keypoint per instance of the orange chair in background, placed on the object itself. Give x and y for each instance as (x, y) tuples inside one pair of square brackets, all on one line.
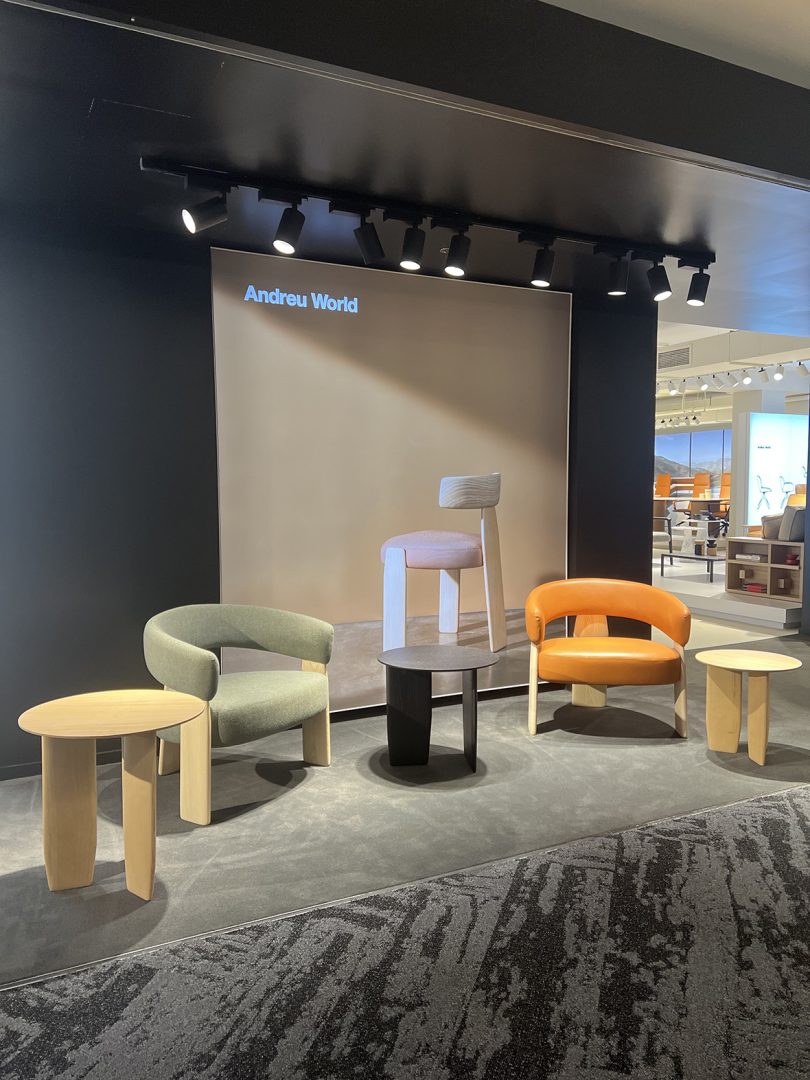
[(592, 660), (663, 485), (702, 485)]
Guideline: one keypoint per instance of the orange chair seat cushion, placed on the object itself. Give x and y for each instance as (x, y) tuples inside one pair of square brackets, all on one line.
[(608, 661)]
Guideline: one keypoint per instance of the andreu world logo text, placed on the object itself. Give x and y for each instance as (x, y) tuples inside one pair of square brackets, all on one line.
[(320, 301)]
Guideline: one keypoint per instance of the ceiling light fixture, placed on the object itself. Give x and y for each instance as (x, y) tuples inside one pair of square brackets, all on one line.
[(543, 265), (698, 287), (456, 265), (717, 384), (747, 378), (673, 389), (619, 277), (368, 241), (289, 230), (205, 214), (704, 383), (803, 369), (763, 375), (779, 374), (413, 246), (659, 282)]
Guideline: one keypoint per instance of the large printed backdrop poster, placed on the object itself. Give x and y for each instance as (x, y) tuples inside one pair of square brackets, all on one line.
[(345, 394)]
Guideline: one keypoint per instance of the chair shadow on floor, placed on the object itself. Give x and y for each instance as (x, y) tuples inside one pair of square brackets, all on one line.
[(783, 762), (609, 723), (239, 783), (447, 769)]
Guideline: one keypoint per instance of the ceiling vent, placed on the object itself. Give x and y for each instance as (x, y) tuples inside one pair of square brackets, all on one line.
[(675, 358)]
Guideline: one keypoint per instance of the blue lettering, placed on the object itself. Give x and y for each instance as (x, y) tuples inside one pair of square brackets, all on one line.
[(250, 293), (352, 306), (319, 299)]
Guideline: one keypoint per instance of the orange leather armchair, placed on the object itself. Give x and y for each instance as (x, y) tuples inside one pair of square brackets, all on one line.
[(592, 660)]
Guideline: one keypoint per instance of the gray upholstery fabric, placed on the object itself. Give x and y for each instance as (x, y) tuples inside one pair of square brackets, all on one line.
[(177, 647), (770, 526), (792, 527), (252, 704)]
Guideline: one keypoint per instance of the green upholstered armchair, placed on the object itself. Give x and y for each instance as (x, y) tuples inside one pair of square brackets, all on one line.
[(243, 706)]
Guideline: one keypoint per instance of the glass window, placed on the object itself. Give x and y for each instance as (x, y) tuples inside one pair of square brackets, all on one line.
[(672, 453), (707, 456)]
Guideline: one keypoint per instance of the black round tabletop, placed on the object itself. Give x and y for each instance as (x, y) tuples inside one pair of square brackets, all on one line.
[(438, 658)]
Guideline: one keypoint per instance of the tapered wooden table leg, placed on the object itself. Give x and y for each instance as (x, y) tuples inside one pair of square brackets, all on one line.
[(723, 709), (469, 705), (758, 717), (139, 788), (69, 811)]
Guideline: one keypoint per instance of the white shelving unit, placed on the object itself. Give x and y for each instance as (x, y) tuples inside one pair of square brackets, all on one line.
[(781, 580)]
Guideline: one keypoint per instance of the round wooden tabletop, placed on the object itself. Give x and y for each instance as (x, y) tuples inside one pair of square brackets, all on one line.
[(438, 658), (751, 660), (110, 713)]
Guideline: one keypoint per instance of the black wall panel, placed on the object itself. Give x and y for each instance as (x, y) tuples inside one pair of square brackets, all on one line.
[(107, 443), (611, 445)]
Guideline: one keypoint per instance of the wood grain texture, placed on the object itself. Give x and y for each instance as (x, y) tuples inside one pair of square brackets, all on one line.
[(533, 689), (723, 709), (470, 492), (747, 660), (759, 709), (449, 600), (139, 788), (69, 811), (493, 579), (591, 626), (168, 757), (681, 700), (316, 730), (110, 713), (195, 769), (589, 697), (395, 598)]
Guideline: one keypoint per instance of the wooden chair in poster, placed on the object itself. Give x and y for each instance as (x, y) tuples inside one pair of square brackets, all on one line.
[(449, 553)]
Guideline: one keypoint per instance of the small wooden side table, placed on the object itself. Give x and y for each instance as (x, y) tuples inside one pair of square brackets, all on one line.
[(725, 669), (69, 728)]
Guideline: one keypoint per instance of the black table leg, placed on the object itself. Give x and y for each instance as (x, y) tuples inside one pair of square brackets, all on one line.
[(409, 714), (469, 700), (662, 565), (710, 568)]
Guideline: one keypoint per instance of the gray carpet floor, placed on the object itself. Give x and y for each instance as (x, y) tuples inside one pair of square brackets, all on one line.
[(674, 950), (286, 836)]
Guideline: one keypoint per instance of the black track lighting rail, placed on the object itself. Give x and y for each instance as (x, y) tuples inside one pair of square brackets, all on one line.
[(292, 192)]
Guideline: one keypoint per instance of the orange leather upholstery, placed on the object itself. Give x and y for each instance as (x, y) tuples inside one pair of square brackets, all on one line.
[(607, 660)]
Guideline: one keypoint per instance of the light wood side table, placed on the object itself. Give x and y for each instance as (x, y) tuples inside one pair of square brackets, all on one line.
[(725, 669), (69, 728)]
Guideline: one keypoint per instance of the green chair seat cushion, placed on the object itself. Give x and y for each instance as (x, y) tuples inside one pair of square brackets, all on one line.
[(251, 704)]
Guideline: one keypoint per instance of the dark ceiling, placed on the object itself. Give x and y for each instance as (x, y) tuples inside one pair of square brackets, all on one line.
[(81, 102)]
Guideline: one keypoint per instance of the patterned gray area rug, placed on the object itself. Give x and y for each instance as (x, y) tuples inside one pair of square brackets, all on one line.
[(679, 949)]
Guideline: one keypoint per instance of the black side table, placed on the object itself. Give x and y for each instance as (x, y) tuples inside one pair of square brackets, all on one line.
[(409, 685)]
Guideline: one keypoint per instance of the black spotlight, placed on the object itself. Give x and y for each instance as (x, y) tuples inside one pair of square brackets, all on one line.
[(456, 265), (543, 265), (659, 283), (698, 287), (288, 231), (369, 242), (205, 215), (413, 245), (619, 276)]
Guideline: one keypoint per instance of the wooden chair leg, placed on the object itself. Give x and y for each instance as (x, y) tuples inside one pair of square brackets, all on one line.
[(316, 730), (589, 697), (395, 588), (533, 690), (449, 600), (195, 769), (681, 714), (168, 757), (493, 579)]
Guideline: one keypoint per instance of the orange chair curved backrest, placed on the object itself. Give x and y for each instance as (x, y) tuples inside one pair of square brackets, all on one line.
[(702, 484), (605, 596), (725, 486), (663, 485)]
